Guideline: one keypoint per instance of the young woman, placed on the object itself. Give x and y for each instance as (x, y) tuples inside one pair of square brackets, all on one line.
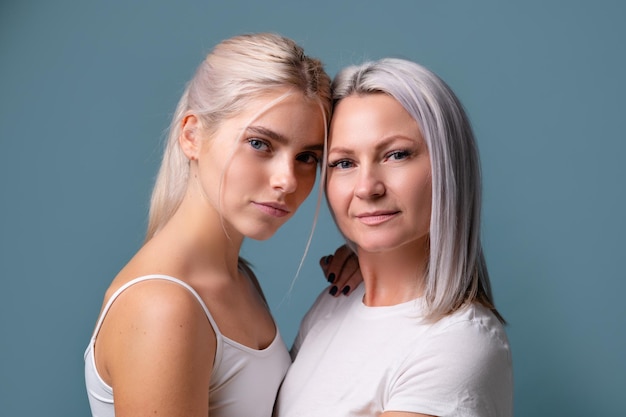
[(184, 329), (421, 335)]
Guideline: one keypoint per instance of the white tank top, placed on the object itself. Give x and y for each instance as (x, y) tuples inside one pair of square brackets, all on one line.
[(244, 381)]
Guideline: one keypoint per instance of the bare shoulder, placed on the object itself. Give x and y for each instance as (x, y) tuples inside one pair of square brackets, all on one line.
[(155, 319), (156, 308), (158, 296)]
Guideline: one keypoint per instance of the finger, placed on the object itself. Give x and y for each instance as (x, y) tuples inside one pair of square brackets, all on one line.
[(348, 277), (325, 263), (333, 264), (346, 271), (355, 279)]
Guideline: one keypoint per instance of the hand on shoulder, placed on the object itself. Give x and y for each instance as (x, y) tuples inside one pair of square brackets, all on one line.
[(342, 271)]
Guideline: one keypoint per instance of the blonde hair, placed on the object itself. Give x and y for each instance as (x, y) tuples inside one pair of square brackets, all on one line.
[(235, 71), (457, 273)]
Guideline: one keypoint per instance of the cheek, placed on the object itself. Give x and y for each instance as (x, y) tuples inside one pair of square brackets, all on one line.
[(422, 201), (306, 180), (240, 172), (336, 196)]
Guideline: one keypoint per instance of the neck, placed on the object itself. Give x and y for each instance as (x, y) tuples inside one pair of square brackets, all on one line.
[(200, 239), (393, 276)]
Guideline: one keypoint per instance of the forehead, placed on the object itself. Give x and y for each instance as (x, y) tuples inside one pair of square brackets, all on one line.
[(288, 113), (370, 117)]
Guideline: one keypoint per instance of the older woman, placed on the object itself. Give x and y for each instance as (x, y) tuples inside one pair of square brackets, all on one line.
[(421, 335)]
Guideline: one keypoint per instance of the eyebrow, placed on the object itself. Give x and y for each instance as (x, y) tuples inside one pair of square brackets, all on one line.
[(380, 145), (277, 137)]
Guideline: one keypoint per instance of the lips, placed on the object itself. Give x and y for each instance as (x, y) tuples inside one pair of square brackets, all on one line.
[(377, 217), (273, 209)]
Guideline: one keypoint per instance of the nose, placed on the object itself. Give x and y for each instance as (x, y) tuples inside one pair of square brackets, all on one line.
[(369, 183), (283, 177)]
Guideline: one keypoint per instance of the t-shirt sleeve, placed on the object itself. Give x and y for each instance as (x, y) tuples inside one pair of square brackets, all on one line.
[(464, 369)]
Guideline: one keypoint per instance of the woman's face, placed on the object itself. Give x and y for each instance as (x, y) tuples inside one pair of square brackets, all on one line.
[(379, 176), (257, 169)]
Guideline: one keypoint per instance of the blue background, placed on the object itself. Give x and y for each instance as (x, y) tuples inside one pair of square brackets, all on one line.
[(87, 89)]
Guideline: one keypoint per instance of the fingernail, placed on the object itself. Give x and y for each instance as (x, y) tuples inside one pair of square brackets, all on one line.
[(331, 277), (333, 290), (328, 259), (345, 290)]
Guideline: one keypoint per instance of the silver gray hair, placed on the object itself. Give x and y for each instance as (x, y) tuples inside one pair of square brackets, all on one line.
[(456, 272)]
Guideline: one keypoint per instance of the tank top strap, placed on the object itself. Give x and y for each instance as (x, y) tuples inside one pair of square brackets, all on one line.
[(154, 277)]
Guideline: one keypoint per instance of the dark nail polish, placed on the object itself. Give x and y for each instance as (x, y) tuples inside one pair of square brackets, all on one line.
[(345, 290), (333, 290), (331, 277), (328, 259)]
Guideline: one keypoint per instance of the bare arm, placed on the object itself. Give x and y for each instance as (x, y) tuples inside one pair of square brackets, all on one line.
[(159, 349)]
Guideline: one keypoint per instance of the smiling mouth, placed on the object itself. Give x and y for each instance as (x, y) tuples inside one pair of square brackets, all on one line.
[(373, 219), (273, 209)]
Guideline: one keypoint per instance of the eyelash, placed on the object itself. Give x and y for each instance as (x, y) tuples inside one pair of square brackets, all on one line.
[(253, 141), (401, 152), (257, 145), (339, 163), (396, 155), (316, 159)]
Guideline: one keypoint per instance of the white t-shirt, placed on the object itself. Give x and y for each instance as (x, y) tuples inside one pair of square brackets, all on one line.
[(354, 360), (244, 381)]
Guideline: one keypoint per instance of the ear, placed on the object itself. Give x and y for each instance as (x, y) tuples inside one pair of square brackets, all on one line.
[(190, 138)]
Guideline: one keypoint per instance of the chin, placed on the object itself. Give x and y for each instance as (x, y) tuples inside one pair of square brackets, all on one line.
[(261, 237), (264, 234), (380, 246), (374, 249)]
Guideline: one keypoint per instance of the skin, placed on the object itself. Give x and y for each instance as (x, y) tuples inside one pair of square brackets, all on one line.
[(156, 347), (379, 189), (341, 269)]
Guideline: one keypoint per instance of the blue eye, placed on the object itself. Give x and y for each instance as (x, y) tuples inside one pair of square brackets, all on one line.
[(341, 164), (258, 144), (398, 155)]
